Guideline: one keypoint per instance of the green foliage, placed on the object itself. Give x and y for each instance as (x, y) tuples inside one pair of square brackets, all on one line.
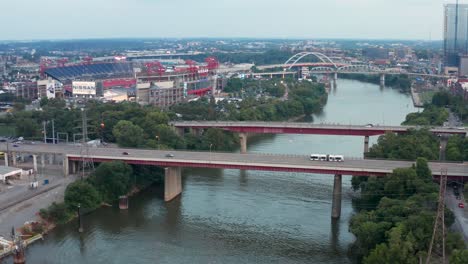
[(457, 104), (396, 215), (83, 194), (127, 134), (409, 146), (112, 179), (457, 149), (57, 212), (398, 250), (401, 82), (431, 115), (459, 257)]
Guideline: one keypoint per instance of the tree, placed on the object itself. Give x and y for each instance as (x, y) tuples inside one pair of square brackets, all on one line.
[(422, 169), (83, 194), (127, 134), (459, 257), (399, 250), (112, 179)]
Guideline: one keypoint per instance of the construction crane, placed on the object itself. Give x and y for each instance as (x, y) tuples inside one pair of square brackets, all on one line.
[(212, 62), (87, 60), (61, 62), (155, 67), (44, 65), (193, 69)]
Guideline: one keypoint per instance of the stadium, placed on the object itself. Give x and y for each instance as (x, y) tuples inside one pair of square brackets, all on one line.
[(196, 79)]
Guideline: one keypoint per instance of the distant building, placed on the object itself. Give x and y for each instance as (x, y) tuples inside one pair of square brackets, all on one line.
[(376, 53), (49, 88), (455, 33), (460, 88), (165, 94), (463, 69), (84, 89), (27, 90)]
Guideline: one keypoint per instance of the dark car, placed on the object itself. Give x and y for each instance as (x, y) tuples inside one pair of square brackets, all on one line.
[(14, 145), (124, 153)]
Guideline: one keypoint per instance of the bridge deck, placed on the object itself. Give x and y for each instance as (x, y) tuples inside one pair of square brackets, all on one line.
[(310, 128), (287, 163)]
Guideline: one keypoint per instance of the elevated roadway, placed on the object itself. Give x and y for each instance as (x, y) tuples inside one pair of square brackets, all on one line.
[(72, 156), (244, 128), (266, 162)]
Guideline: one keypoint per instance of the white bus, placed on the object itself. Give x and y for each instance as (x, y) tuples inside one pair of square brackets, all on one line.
[(323, 157)]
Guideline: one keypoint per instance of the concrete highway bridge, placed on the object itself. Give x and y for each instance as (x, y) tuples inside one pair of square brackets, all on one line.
[(70, 156), (245, 128)]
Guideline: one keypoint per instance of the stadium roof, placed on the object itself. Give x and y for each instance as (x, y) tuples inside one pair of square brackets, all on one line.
[(91, 71)]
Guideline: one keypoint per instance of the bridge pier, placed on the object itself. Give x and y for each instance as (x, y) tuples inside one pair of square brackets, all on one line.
[(65, 165), (13, 159), (366, 144), (179, 131), (35, 163), (335, 76), (442, 147), (5, 156), (172, 183), (196, 131), (243, 143), (382, 79), (336, 202), (43, 160)]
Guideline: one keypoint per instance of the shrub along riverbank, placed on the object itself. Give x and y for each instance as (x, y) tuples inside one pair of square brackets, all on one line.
[(396, 213), (104, 186)]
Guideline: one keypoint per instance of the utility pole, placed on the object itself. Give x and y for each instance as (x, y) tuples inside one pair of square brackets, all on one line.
[(53, 131), (86, 161), (44, 131), (437, 246)]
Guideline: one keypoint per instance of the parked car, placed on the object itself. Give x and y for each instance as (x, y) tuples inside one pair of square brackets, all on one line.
[(461, 205), (15, 146)]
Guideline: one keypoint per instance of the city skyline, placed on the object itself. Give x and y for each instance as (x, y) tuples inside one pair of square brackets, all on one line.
[(336, 19)]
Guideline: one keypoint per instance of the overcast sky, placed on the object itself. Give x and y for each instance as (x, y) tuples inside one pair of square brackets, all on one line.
[(376, 19)]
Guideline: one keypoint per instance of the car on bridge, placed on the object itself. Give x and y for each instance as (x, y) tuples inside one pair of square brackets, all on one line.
[(125, 153)]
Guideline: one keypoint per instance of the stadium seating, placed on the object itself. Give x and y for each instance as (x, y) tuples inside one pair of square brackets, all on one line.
[(92, 71)]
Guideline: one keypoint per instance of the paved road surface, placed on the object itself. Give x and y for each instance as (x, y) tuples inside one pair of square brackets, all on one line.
[(310, 128), (236, 161)]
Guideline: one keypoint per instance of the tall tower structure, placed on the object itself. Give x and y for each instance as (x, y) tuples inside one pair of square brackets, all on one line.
[(455, 33)]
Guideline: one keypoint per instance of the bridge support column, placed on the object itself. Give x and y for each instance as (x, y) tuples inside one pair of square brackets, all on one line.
[(51, 159), (366, 144), (196, 131), (66, 164), (243, 143), (336, 202), (382, 79), (172, 183), (13, 159), (35, 163), (43, 160), (179, 131), (335, 76), (5, 156)]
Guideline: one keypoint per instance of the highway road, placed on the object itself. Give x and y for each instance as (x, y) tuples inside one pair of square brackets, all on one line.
[(310, 128), (267, 162)]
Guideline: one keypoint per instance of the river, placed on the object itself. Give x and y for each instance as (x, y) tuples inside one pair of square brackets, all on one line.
[(231, 216)]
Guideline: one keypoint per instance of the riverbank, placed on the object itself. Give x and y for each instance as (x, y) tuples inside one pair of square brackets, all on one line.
[(416, 98)]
